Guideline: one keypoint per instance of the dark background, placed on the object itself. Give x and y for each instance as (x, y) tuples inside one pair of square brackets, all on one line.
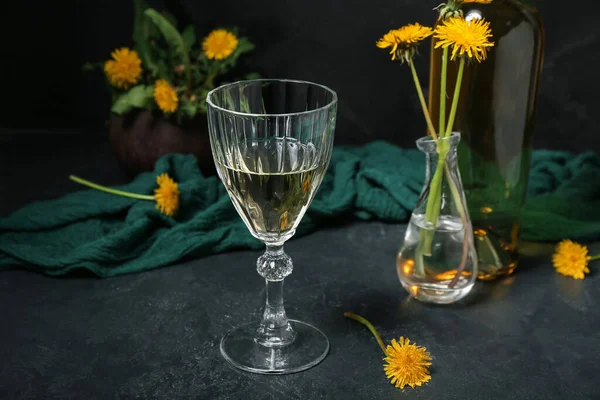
[(327, 41)]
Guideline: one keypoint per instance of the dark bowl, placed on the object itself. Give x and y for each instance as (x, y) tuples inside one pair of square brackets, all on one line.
[(142, 137)]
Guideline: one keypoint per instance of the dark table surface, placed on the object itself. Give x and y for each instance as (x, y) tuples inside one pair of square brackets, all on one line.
[(156, 334)]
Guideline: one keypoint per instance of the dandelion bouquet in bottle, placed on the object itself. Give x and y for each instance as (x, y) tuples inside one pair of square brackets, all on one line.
[(169, 70), (437, 262)]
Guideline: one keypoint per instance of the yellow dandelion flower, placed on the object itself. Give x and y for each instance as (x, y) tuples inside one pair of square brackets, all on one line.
[(404, 40), (166, 195), (571, 259), (470, 38), (125, 68), (165, 96), (413, 33), (219, 44), (407, 364)]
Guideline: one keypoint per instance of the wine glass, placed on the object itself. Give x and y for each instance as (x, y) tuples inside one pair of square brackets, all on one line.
[(271, 141)]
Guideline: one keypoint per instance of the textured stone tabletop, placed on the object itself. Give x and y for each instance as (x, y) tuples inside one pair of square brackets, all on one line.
[(156, 334)]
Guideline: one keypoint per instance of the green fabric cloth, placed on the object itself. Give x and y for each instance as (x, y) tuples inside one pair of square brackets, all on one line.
[(110, 235)]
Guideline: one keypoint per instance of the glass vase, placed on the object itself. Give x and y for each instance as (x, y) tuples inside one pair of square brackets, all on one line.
[(496, 118), (437, 262)]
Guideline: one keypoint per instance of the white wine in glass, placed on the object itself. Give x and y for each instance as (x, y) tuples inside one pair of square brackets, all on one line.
[(272, 185)]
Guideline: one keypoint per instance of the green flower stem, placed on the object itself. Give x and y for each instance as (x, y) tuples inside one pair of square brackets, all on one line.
[(209, 82), (430, 215), (434, 201), (419, 265), (109, 190), (432, 212), (422, 100), (366, 323), (461, 70), (596, 257), (468, 228), (443, 91)]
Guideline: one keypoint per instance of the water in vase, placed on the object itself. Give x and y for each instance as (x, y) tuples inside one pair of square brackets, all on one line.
[(432, 271)]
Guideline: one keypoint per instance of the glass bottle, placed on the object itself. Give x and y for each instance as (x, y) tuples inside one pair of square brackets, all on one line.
[(437, 262), (496, 118)]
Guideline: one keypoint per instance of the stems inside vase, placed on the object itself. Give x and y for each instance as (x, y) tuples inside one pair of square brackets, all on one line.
[(434, 200), (467, 227), (434, 203)]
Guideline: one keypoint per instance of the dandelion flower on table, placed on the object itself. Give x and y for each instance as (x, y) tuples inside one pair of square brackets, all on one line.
[(125, 68), (219, 44), (470, 38), (571, 259), (167, 195), (407, 364)]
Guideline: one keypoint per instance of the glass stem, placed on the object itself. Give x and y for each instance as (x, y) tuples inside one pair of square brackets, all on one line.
[(275, 329)]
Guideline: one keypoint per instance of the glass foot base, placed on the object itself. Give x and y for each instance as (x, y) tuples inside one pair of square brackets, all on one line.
[(439, 293), (308, 349)]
